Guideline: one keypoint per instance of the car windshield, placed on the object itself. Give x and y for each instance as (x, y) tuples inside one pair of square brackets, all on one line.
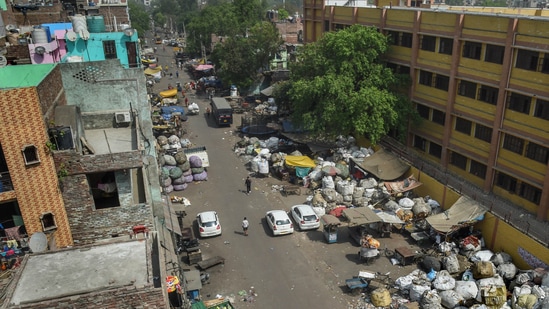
[(282, 222), (309, 218), (209, 224)]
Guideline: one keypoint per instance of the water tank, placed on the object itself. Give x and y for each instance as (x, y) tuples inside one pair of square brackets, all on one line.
[(40, 35), (96, 24), (79, 23)]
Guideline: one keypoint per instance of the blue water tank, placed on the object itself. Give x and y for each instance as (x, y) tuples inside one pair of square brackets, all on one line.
[(96, 24)]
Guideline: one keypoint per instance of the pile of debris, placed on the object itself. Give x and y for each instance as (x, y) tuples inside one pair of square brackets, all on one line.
[(178, 170)]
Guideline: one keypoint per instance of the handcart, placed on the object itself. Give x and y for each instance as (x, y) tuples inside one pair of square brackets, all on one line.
[(356, 285), (330, 226)]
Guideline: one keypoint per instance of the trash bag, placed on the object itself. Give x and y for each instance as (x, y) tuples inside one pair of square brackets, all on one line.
[(197, 170), (201, 177), (417, 290), (180, 157), (328, 183), (466, 289), (178, 181), (444, 281), (169, 160), (180, 187), (176, 172), (185, 167), (195, 161), (430, 262), (450, 298)]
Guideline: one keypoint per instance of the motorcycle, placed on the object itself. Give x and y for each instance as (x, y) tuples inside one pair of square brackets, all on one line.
[(187, 245)]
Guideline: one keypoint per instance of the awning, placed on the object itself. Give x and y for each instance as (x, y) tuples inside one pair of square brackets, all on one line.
[(464, 212), (204, 67), (149, 71), (395, 187), (360, 216), (384, 165), (328, 220), (267, 91), (388, 217), (300, 161)]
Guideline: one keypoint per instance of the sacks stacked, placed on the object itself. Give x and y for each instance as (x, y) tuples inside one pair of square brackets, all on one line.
[(176, 172), (172, 142), (198, 172)]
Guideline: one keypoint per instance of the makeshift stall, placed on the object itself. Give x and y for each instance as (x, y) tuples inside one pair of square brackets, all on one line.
[(330, 226), (388, 220), (359, 218), (464, 213)]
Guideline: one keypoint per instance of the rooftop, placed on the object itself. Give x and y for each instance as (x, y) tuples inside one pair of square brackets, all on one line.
[(27, 75), (113, 140), (83, 270)]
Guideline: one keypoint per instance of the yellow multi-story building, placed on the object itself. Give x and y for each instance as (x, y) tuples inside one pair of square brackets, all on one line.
[(480, 80)]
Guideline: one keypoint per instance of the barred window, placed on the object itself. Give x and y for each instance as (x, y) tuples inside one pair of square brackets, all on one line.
[(527, 60), (467, 89), (442, 82), (483, 132), (519, 103), (488, 94), (426, 78), (506, 182), (423, 111), (513, 143), (439, 117), (435, 150), (419, 142), (463, 125), (472, 50), (494, 53), (458, 160), (530, 193), (478, 169), (542, 109), (537, 152), (428, 42), (109, 47), (393, 37), (406, 39), (446, 46)]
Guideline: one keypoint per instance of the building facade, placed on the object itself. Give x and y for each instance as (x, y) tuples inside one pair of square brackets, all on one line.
[(479, 81)]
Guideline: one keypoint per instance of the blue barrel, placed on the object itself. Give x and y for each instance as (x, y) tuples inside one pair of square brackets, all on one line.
[(96, 24)]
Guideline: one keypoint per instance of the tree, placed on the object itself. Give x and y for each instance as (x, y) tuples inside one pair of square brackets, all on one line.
[(139, 17), (340, 85), (240, 59)]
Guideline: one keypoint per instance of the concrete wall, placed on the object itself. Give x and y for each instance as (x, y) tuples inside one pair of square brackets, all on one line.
[(87, 223), (92, 49)]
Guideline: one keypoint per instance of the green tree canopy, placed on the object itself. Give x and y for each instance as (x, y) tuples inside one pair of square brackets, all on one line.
[(139, 17), (239, 59), (340, 85)]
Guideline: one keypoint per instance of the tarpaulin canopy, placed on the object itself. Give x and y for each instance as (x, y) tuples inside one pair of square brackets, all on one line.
[(388, 217), (204, 67), (300, 161), (384, 165), (361, 215), (267, 91), (464, 212), (149, 71)]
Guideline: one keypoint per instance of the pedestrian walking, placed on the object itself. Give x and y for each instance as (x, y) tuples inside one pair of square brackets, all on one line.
[(208, 111), (186, 101), (245, 225), (248, 183), (177, 74), (171, 75)]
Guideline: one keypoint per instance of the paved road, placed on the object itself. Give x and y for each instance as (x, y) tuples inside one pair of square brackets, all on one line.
[(292, 271)]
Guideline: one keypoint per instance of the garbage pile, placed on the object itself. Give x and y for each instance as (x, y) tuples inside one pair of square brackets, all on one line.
[(485, 280), (177, 171)]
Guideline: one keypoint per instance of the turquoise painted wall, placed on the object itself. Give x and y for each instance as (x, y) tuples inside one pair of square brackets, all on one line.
[(92, 49)]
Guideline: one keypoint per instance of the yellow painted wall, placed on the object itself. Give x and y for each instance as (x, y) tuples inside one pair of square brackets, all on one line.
[(529, 167), (509, 240), (475, 67), (428, 58), (526, 123), (478, 108), (485, 26), (470, 144), (446, 197), (438, 21), (430, 129), (528, 79), (431, 94), (399, 19), (514, 198), (536, 31), (369, 16), (343, 13)]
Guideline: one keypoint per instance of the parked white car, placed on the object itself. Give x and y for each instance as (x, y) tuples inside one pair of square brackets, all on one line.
[(208, 224), (279, 222), (305, 217)]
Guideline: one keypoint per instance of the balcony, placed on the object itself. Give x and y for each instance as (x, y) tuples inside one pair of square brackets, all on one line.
[(5, 182)]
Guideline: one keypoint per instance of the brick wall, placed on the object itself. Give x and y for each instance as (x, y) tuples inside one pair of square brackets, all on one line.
[(35, 185), (51, 94), (88, 224), (120, 12), (44, 15)]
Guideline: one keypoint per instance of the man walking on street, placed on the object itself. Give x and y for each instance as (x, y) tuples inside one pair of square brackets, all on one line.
[(245, 225), (248, 183)]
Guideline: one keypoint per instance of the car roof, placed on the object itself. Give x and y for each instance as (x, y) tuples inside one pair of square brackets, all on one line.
[(305, 209), (278, 213), (207, 216)]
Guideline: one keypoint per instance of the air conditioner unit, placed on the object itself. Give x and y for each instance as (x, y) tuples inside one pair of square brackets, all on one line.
[(122, 117)]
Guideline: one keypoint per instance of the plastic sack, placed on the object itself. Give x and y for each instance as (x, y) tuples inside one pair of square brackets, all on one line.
[(162, 140), (169, 160), (417, 290), (263, 166), (188, 178), (180, 187), (168, 189), (197, 170), (381, 297), (175, 172), (451, 263), (501, 258), (201, 177), (178, 181), (404, 283), (167, 182), (180, 157), (328, 182), (444, 281), (195, 161), (185, 166), (466, 289), (450, 298), (406, 203), (507, 270), (431, 300), (368, 183), (173, 139), (329, 195), (483, 269)]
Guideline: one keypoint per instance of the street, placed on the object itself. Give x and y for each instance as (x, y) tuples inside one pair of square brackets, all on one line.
[(292, 271)]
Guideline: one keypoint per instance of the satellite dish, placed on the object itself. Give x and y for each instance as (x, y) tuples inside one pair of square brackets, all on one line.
[(3, 61), (85, 35), (71, 36), (38, 242), (40, 50)]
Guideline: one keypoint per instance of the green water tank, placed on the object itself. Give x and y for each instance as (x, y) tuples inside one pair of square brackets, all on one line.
[(96, 24)]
